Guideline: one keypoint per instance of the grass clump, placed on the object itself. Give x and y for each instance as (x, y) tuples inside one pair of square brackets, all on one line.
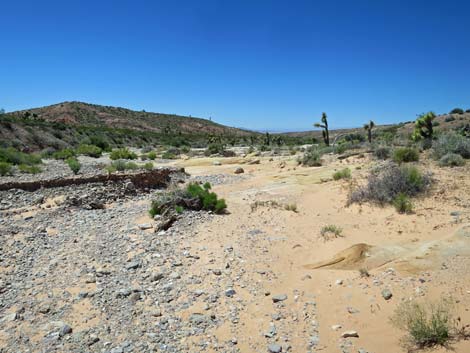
[(74, 165), (121, 165), (29, 169), (331, 230), (169, 155), (291, 207), (342, 174), (451, 160), (5, 168), (385, 185), (152, 155), (148, 166), (89, 150), (403, 204), (382, 152), (427, 325), (405, 155), (122, 153)]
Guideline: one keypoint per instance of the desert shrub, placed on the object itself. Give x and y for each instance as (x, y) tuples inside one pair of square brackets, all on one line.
[(209, 199), (342, 174), (291, 207), (89, 150), (29, 169), (214, 148), (382, 152), (169, 155), (402, 203), (405, 154), (451, 160), (384, 186), (185, 149), (5, 168), (456, 111), (427, 324), (331, 230), (100, 141), (74, 165), (15, 157), (449, 118), (148, 166), (110, 169), (122, 153), (179, 209), (311, 158), (64, 154), (451, 143), (121, 165), (152, 155), (146, 149)]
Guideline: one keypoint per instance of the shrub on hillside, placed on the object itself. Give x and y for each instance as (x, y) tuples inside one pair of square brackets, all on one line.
[(29, 169), (382, 152), (64, 154), (451, 160), (148, 166), (100, 141), (451, 143), (384, 186), (122, 153), (151, 155), (214, 148), (74, 165), (456, 111), (5, 168), (405, 154), (89, 150), (15, 157)]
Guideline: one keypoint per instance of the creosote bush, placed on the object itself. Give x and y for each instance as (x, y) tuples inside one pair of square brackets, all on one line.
[(451, 143), (384, 185), (74, 165), (405, 155), (89, 150), (5, 168), (311, 158), (342, 174), (122, 153), (427, 324), (382, 152), (451, 160)]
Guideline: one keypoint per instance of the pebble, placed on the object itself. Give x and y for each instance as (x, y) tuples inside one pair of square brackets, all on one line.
[(279, 298), (387, 294), (274, 348), (348, 334)]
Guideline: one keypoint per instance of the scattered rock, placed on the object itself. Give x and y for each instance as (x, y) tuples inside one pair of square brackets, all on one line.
[(239, 170), (274, 348), (348, 334), (279, 298), (387, 294)]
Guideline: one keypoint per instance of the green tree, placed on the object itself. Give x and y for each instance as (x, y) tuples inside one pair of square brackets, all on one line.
[(368, 127), (324, 126), (423, 127)]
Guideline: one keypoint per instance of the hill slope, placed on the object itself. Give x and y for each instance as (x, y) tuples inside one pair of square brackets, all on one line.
[(78, 113)]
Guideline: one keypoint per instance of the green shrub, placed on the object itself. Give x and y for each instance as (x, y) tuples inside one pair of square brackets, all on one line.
[(179, 209), (64, 154), (382, 152), (74, 165), (100, 141), (152, 155), (391, 180), (131, 166), (311, 158), (209, 199), (148, 166), (122, 153), (402, 203), (427, 324), (169, 155), (451, 143), (291, 207), (30, 169), (89, 150), (15, 157), (214, 148), (451, 160), (342, 174), (122, 165), (456, 111), (331, 230), (405, 154), (5, 168)]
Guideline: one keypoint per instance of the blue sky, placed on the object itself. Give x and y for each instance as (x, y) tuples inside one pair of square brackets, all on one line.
[(258, 64)]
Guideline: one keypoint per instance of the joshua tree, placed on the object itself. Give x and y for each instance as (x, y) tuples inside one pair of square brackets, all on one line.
[(368, 127), (267, 139), (324, 126), (423, 127)]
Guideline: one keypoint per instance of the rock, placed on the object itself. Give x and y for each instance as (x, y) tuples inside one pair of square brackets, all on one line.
[(254, 161), (339, 282), (230, 292), (92, 339), (274, 348), (217, 272), (133, 265), (156, 313), (348, 334), (198, 319), (387, 294), (156, 277), (279, 298), (145, 226), (336, 327), (135, 297), (64, 330), (216, 163), (239, 170)]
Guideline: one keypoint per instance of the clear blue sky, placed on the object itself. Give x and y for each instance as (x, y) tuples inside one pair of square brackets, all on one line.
[(255, 64)]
